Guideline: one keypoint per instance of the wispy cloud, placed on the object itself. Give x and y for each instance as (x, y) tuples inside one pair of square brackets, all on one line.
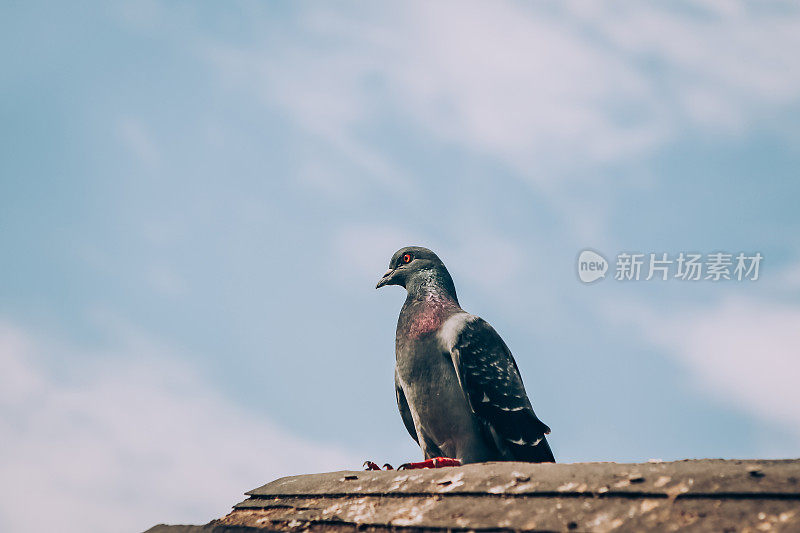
[(129, 438), (727, 64), (530, 85), (556, 94), (742, 350)]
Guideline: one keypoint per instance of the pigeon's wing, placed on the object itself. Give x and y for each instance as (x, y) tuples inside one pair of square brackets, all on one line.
[(405, 412), (491, 381)]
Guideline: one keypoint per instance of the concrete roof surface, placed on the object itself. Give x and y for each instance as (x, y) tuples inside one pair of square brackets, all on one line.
[(691, 495)]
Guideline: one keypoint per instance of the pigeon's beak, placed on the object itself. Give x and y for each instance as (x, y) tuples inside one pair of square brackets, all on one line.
[(385, 279)]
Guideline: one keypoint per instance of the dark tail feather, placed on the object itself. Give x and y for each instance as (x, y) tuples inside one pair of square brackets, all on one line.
[(541, 453)]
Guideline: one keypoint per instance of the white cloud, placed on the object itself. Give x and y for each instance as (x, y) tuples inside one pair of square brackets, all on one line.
[(530, 85), (123, 440), (520, 85), (743, 351), (552, 91), (723, 62), (322, 92)]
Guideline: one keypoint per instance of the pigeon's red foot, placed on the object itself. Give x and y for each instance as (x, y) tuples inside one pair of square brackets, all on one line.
[(436, 462), (369, 465)]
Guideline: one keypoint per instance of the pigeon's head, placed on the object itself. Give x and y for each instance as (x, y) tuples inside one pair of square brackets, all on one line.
[(413, 267)]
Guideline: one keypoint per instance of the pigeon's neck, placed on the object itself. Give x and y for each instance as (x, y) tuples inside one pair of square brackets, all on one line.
[(435, 286), (431, 299)]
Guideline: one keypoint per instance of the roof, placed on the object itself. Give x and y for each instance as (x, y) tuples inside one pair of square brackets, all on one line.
[(701, 495)]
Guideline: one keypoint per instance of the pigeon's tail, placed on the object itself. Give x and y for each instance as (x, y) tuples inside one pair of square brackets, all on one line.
[(533, 447), (541, 453)]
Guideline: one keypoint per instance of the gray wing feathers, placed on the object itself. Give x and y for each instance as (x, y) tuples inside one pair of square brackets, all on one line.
[(491, 381), (405, 411)]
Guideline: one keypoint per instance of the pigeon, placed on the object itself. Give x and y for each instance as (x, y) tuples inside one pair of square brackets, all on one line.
[(458, 388)]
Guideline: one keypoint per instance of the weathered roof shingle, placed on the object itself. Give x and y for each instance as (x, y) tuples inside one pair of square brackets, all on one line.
[(701, 495)]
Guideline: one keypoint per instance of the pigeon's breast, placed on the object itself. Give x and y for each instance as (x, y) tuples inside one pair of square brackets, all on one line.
[(424, 323), (438, 405), (420, 319)]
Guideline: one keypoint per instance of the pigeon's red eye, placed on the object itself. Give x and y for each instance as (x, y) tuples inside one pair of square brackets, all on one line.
[(407, 258)]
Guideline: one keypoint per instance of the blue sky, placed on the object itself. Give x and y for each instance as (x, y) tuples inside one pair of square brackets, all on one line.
[(197, 200)]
